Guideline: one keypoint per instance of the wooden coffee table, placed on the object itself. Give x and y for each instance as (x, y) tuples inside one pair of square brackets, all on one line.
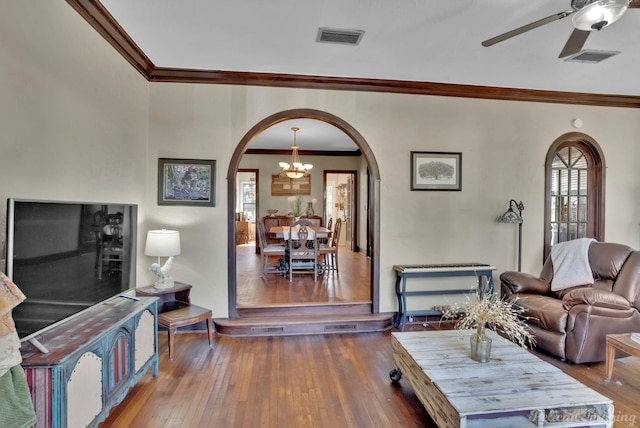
[(622, 342), (514, 389)]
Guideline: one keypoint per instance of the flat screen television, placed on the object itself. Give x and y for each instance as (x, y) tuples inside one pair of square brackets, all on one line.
[(66, 257)]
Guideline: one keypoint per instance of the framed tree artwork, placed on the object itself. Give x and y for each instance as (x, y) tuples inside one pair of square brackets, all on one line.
[(186, 182), (436, 171)]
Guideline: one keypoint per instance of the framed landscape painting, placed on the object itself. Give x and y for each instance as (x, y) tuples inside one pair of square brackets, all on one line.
[(186, 182), (436, 171)]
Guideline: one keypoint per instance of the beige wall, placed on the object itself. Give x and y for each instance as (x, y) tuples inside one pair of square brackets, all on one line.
[(503, 144), (77, 122), (73, 113)]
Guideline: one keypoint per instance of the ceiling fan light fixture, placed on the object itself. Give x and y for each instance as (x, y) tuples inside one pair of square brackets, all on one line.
[(599, 14)]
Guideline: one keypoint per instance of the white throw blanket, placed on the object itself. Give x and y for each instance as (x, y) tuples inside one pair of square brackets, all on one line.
[(571, 264)]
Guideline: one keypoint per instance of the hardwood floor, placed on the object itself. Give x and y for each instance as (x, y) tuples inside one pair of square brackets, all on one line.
[(339, 380), (335, 381), (351, 285)]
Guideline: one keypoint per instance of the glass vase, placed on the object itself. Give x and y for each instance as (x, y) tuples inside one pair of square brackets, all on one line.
[(480, 345), (310, 211)]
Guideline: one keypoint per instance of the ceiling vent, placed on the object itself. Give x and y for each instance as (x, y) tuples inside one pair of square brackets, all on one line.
[(591, 56), (339, 36)]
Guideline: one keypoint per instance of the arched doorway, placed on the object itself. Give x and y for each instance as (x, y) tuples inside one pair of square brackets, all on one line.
[(373, 195)]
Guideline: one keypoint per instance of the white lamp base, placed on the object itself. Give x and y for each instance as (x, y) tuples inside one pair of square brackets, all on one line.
[(164, 282)]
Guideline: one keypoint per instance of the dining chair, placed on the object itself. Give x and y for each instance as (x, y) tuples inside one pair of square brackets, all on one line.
[(269, 250), (329, 252), (327, 240), (303, 250)]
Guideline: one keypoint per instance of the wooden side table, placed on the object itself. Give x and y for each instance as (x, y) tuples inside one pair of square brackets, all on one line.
[(622, 342), (175, 310)]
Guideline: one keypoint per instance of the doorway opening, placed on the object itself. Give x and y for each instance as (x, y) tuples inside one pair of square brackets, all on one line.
[(340, 202), (372, 216), (246, 206)]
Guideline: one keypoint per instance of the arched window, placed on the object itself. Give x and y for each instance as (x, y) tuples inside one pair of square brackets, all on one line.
[(574, 196)]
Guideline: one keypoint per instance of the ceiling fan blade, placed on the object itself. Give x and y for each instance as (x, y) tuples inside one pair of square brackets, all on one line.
[(525, 28), (575, 43)]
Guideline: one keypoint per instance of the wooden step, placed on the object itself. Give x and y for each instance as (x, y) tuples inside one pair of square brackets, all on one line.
[(328, 310), (303, 324)]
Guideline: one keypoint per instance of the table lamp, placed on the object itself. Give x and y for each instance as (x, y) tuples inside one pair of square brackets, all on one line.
[(162, 243)]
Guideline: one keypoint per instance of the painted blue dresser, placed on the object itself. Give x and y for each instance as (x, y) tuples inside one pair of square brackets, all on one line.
[(93, 361)]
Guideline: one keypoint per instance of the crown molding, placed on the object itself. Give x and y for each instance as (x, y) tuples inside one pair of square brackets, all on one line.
[(102, 21)]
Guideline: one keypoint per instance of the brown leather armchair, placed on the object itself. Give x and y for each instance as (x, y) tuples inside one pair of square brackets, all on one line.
[(572, 323)]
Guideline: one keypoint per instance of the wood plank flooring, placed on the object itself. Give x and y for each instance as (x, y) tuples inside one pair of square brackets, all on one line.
[(335, 381), (351, 285)]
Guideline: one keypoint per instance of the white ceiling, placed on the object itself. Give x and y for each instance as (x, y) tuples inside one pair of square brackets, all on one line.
[(312, 135), (413, 40)]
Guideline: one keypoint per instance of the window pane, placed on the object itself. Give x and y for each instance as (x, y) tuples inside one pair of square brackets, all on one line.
[(573, 208), (582, 230), (562, 232), (562, 159), (583, 182), (564, 209), (554, 209), (573, 183), (557, 163), (555, 181), (579, 160), (573, 231), (582, 212), (564, 182)]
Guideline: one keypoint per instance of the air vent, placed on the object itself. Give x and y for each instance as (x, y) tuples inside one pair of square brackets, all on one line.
[(340, 327), (267, 329), (339, 36), (592, 56)]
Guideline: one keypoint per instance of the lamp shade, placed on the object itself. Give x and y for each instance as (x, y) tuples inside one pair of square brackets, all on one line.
[(509, 217), (162, 243)]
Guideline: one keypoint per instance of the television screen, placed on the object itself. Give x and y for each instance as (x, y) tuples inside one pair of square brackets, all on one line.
[(66, 257)]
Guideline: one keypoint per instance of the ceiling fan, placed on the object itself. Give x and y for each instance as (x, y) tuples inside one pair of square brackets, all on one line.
[(588, 15)]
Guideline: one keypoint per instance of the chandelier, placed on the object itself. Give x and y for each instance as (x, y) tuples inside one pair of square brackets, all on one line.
[(295, 169)]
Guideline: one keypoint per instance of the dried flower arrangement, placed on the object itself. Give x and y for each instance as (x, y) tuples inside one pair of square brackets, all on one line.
[(487, 310)]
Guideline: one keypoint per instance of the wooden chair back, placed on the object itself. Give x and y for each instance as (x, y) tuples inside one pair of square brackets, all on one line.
[(262, 236), (302, 249), (335, 237)]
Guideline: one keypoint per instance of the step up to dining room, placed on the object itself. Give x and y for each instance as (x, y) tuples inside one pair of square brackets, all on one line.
[(304, 319)]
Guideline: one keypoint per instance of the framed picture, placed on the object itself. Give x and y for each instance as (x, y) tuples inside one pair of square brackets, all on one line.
[(186, 182), (436, 171)]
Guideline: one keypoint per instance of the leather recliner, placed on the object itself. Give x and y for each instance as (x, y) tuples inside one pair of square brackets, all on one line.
[(572, 324)]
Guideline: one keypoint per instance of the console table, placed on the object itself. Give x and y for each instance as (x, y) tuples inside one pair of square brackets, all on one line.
[(403, 272), (94, 359), (175, 310)]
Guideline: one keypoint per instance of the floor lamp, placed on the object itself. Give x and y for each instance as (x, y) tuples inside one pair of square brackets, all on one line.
[(511, 217)]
